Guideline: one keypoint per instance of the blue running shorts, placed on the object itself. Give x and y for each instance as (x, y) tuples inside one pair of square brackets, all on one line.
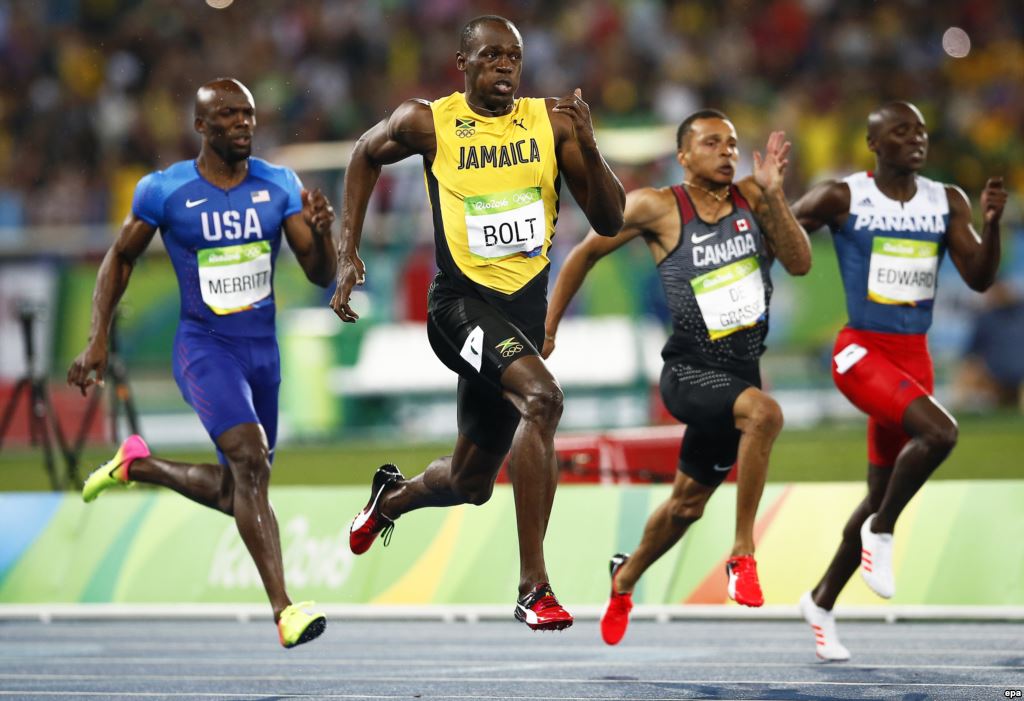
[(229, 380)]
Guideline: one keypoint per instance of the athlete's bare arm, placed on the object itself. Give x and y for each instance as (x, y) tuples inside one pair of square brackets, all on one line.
[(407, 132), (592, 183), (786, 239), (111, 282), (309, 235), (826, 204), (976, 257), (649, 212)]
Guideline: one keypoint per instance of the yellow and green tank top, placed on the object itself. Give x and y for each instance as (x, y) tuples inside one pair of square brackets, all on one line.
[(493, 190)]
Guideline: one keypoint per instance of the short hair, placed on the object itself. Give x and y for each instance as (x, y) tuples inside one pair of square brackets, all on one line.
[(688, 123), (471, 26), (877, 117)]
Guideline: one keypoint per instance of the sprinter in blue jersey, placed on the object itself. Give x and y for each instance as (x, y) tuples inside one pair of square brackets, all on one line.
[(891, 229), (221, 217)]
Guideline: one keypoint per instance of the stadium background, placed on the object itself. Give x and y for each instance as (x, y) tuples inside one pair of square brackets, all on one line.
[(95, 93)]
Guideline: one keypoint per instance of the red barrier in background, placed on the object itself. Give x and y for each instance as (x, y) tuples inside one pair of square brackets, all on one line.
[(642, 455), (69, 407)]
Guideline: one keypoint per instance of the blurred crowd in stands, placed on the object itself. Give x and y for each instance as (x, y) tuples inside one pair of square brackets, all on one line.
[(94, 93)]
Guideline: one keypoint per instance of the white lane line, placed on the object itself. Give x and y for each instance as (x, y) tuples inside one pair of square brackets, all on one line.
[(636, 655), (455, 678), (396, 675), (591, 682)]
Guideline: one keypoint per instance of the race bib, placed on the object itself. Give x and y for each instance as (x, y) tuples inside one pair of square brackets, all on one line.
[(731, 298), (506, 223), (233, 278), (902, 271), (848, 357)]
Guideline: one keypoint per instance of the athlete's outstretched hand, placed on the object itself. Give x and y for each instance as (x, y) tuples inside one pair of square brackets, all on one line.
[(351, 272), (770, 170), (578, 111), (993, 199), (89, 367), (318, 212)]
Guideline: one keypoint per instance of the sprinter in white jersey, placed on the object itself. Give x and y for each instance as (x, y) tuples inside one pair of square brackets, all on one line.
[(892, 228)]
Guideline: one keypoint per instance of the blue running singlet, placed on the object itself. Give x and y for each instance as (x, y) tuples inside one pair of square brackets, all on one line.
[(889, 255), (223, 245)]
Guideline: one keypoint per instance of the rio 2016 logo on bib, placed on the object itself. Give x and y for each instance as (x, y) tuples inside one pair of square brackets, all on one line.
[(506, 223), (903, 271), (233, 278), (731, 298)]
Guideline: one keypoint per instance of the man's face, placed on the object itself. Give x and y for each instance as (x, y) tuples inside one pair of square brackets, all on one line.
[(227, 124), (493, 63), (901, 140), (710, 150)]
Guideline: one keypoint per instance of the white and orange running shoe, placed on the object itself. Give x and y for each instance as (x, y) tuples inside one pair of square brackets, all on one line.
[(826, 640)]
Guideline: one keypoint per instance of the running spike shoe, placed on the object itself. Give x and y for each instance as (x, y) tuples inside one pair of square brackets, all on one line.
[(297, 626), (115, 470), (370, 521), (744, 587), (540, 610), (615, 617)]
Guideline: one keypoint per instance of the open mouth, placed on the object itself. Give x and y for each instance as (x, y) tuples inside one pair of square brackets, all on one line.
[(503, 86), (242, 140)]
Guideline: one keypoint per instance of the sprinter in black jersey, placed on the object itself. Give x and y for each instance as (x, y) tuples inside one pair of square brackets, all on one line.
[(713, 242)]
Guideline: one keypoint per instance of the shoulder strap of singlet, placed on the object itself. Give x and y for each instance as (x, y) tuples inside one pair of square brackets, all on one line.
[(686, 212), (738, 199)]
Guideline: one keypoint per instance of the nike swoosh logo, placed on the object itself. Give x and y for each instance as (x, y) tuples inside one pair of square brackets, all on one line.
[(702, 239), (190, 204), (722, 468)]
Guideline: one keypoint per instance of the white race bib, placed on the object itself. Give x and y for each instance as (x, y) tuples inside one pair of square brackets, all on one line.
[(233, 278), (902, 271), (848, 357), (506, 223), (731, 298)]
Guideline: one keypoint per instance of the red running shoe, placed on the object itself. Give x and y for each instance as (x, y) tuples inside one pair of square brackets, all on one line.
[(615, 617), (370, 521), (540, 610), (743, 585)]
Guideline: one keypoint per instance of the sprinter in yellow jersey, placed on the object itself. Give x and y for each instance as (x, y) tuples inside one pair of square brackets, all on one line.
[(493, 164)]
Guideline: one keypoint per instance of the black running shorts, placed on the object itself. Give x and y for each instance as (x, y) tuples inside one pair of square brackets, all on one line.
[(703, 397), (478, 341)]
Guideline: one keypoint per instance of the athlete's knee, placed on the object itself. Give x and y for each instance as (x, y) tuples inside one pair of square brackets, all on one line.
[(473, 489), (250, 466), (687, 508), (941, 437), (544, 404), (765, 417)]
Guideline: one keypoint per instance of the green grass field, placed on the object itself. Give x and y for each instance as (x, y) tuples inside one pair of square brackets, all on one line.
[(989, 448)]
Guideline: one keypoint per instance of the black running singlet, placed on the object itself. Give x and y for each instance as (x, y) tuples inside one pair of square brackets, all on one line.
[(718, 286)]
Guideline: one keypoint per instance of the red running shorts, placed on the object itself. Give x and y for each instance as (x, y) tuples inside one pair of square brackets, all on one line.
[(881, 374)]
